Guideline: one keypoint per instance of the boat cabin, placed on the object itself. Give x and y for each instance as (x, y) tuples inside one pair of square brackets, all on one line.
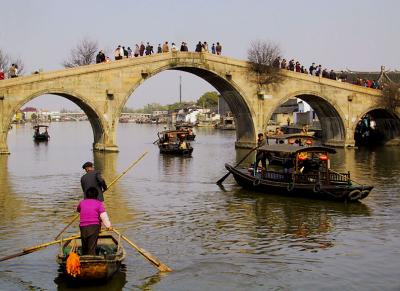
[(41, 133), (292, 139)]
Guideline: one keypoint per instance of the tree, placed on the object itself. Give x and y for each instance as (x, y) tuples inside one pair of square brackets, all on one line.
[(261, 56), (6, 61), (391, 95), (208, 100), (83, 54)]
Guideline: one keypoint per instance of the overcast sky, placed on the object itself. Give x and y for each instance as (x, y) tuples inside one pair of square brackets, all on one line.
[(358, 35)]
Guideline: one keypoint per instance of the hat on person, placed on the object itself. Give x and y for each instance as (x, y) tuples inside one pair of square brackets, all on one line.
[(87, 165)]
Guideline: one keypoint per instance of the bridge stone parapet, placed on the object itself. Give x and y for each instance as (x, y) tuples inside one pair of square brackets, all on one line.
[(102, 90)]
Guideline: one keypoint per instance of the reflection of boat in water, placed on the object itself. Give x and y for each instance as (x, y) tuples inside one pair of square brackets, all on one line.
[(39, 134), (303, 171), (227, 122), (173, 142), (107, 261)]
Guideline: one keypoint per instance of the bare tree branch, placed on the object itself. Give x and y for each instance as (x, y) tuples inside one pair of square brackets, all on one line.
[(83, 54), (4, 61), (261, 56)]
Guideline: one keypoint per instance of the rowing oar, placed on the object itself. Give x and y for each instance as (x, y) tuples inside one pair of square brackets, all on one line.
[(152, 259), (219, 182), (26, 251), (113, 182)]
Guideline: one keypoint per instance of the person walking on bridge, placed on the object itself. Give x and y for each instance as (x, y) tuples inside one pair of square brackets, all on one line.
[(93, 179), (218, 48)]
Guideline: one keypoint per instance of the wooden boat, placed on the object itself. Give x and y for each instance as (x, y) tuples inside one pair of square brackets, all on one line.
[(227, 122), (40, 135), (173, 142), (110, 254), (305, 172)]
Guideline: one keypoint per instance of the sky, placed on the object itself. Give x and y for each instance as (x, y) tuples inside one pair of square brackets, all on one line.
[(359, 35)]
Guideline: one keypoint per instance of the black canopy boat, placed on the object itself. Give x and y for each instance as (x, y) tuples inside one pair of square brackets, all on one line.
[(41, 133), (173, 142), (304, 171)]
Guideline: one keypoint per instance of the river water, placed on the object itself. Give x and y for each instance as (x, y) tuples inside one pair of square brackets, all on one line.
[(213, 238)]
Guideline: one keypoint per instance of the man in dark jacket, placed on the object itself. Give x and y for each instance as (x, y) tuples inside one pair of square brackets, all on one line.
[(92, 178)]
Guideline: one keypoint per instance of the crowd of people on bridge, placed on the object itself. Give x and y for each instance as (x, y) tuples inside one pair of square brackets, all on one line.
[(315, 70), (12, 72), (142, 49)]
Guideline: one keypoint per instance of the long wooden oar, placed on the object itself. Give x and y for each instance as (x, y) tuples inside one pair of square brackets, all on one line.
[(113, 182), (29, 250), (152, 259), (219, 182)]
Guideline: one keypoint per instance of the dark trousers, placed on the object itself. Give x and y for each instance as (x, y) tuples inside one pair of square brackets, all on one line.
[(89, 235), (261, 157)]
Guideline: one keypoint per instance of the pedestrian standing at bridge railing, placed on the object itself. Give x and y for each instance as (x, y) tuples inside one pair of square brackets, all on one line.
[(218, 48), (13, 71), (213, 49), (165, 47)]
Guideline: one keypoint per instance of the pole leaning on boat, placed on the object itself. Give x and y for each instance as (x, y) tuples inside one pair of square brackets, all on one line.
[(219, 182), (113, 182)]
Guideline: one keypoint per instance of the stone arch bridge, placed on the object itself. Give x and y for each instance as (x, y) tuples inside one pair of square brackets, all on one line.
[(101, 91)]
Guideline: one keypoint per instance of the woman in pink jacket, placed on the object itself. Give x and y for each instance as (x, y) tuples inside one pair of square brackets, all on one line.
[(92, 214)]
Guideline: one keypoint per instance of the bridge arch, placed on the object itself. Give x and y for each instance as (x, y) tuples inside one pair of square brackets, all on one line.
[(231, 92), (387, 126), (329, 114), (96, 119)]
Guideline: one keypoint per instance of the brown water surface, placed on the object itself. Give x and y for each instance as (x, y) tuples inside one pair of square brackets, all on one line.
[(214, 239)]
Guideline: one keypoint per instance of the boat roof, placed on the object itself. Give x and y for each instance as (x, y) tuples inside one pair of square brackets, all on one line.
[(39, 125), (173, 131), (291, 149), (292, 135)]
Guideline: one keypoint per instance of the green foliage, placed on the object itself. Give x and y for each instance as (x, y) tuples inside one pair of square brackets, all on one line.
[(208, 100)]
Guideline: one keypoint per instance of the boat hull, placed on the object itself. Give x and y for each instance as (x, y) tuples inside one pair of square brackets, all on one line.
[(176, 152), (41, 137), (99, 267), (334, 191)]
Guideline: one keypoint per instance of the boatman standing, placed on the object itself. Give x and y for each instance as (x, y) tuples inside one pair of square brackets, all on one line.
[(93, 178), (260, 156)]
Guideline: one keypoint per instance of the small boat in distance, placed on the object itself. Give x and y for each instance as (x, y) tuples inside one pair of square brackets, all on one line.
[(41, 133), (301, 171), (174, 142), (227, 122), (107, 261)]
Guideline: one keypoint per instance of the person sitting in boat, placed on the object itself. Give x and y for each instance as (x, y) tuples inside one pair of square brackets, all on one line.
[(288, 165), (182, 144), (92, 214), (260, 156)]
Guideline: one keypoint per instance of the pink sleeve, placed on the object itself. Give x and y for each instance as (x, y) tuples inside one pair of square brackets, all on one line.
[(101, 208), (78, 209)]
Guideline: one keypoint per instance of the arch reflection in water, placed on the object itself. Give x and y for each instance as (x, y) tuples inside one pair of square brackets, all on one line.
[(9, 199)]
